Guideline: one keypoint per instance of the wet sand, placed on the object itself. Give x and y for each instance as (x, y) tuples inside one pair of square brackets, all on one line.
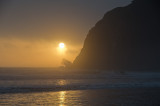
[(103, 97)]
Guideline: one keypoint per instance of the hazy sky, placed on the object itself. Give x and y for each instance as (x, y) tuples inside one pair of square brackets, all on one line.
[(30, 30)]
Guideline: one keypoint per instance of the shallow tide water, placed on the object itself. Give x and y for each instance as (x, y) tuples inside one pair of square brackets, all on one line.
[(48, 87), (105, 97)]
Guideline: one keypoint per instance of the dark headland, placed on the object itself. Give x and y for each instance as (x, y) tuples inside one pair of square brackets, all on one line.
[(126, 38)]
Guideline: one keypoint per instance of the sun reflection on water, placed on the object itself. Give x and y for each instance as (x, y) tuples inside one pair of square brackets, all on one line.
[(62, 98), (61, 82)]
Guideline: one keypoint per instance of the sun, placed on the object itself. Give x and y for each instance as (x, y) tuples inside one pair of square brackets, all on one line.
[(61, 48), (61, 45)]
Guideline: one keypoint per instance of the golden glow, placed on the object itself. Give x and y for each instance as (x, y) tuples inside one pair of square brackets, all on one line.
[(23, 53), (62, 97), (61, 45)]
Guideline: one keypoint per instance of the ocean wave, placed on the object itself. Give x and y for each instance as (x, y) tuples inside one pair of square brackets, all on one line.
[(27, 89), (23, 83)]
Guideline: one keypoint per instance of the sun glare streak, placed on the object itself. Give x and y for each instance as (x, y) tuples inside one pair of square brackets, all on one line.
[(62, 97)]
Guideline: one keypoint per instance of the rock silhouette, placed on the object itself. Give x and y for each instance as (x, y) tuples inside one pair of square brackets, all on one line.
[(127, 38)]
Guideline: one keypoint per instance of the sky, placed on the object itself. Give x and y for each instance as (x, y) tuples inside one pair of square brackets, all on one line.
[(30, 30)]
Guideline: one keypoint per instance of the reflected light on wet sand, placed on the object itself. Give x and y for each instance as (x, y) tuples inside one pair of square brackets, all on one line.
[(62, 98)]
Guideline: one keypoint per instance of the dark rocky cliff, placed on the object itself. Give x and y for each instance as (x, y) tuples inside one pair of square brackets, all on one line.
[(127, 38)]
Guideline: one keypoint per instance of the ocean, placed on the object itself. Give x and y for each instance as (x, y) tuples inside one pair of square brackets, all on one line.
[(51, 86)]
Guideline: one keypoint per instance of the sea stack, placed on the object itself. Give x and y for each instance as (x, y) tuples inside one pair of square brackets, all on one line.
[(127, 38)]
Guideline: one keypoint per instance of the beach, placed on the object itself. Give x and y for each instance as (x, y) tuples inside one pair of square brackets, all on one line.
[(32, 87), (101, 97)]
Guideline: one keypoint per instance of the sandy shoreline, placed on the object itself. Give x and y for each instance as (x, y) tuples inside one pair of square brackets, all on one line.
[(101, 97)]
